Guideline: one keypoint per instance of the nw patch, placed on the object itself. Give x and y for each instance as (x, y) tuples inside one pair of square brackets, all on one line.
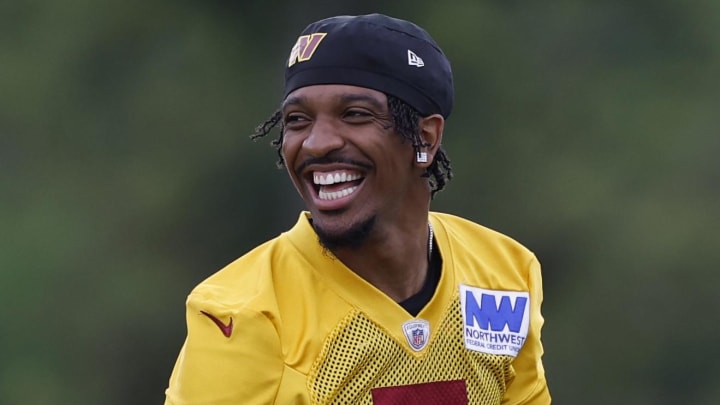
[(494, 321)]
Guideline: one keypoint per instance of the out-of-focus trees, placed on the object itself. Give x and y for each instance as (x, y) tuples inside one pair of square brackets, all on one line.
[(585, 130)]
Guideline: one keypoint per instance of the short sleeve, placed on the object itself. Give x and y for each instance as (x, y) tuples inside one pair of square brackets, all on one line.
[(530, 386), (230, 356)]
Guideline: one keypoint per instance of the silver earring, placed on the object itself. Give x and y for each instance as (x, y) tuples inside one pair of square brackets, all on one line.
[(421, 157)]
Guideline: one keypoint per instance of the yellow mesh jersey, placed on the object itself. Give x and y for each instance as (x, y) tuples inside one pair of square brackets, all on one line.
[(289, 324)]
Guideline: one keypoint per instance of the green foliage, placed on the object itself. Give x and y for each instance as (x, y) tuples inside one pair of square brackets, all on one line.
[(585, 130)]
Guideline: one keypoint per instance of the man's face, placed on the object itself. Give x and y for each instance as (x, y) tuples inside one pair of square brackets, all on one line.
[(346, 161)]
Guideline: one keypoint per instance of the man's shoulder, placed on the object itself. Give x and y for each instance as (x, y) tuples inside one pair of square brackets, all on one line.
[(469, 241), (266, 271), (472, 232), (247, 277)]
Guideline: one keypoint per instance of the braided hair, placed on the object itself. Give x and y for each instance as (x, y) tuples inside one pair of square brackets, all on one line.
[(406, 120)]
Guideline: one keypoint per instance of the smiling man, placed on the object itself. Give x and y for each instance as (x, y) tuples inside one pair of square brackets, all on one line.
[(370, 298)]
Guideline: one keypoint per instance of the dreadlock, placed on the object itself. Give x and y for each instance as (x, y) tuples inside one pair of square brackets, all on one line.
[(406, 120)]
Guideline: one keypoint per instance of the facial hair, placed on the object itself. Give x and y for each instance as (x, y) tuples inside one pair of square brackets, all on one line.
[(351, 238)]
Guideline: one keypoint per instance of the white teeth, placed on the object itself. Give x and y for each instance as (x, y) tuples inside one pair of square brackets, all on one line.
[(334, 195), (336, 177), (330, 178)]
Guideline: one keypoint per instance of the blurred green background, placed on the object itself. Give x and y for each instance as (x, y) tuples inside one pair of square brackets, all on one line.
[(586, 130)]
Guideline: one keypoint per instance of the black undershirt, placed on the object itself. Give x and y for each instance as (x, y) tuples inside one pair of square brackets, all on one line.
[(417, 302)]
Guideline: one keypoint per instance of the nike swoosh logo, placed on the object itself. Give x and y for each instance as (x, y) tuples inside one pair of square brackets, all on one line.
[(225, 329)]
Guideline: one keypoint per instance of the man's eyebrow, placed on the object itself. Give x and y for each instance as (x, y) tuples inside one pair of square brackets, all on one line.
[(353, 97), (342, 98), (294, 100)]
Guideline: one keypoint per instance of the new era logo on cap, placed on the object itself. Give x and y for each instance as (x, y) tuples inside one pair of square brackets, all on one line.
[(414, 60)]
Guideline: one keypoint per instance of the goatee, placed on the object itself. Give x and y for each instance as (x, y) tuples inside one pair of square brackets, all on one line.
[(352, 238)]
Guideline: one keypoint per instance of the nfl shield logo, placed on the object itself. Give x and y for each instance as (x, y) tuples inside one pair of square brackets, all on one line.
[(417, 333)]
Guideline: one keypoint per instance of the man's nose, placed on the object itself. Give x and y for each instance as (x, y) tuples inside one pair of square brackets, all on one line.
[(324, 137)]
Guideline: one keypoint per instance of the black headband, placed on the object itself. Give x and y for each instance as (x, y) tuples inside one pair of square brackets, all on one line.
[(374, 51)]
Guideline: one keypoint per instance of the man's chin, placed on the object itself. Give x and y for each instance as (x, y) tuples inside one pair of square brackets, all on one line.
[(351, 236)]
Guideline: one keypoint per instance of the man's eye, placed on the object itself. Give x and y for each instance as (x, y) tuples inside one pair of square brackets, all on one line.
[(358, 114), (294, 118)]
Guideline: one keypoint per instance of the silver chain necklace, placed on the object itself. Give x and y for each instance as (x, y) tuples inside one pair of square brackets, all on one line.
[(430, 241)]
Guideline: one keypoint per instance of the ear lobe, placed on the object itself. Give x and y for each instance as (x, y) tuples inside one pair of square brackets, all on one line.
[(431, 131)]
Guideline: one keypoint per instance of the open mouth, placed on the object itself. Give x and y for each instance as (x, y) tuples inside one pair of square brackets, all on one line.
[(336, 184)]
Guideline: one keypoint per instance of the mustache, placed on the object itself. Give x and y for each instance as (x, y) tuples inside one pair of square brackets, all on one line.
[(329, 159)]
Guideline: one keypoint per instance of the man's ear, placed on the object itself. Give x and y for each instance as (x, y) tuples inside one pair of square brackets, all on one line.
[(431, 131)]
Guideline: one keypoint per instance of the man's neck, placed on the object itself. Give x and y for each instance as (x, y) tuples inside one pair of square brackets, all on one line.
[(395, 262)]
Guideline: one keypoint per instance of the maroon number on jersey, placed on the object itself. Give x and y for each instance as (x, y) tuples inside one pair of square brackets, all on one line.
[(434, 393)]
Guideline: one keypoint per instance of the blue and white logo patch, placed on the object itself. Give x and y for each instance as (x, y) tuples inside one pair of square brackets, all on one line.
[(417, 333), (494, 321)]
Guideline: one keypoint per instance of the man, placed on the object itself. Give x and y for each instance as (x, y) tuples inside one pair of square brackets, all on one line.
[(370, 298)]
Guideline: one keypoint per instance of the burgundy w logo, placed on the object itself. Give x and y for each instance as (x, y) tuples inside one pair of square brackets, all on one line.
[(305, 47)]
